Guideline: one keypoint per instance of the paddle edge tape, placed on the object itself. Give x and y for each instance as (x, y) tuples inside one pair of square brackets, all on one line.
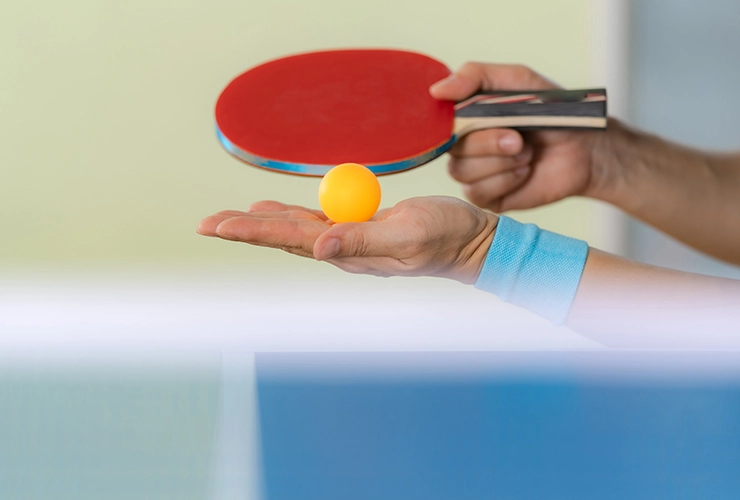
[(314, 170)]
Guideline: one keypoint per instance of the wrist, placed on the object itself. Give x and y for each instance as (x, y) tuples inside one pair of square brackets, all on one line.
[(533, 268), (474, 254), (608, 161)]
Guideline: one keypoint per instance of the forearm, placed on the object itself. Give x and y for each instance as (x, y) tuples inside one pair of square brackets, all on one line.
[(622, 303), (690, 195)]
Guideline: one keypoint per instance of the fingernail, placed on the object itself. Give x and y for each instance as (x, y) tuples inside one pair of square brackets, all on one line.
[(522, 171), (508, 143), (329, 249)]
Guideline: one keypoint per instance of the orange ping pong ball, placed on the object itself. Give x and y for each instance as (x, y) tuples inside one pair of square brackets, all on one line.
[(349, 192)]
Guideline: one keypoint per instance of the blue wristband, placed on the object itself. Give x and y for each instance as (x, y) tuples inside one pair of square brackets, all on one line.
[(533, 268)]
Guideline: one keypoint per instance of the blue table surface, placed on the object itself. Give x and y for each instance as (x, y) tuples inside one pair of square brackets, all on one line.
[(557, 425)]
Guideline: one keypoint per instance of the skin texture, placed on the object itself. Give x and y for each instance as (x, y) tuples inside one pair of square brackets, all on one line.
[(502, 169), (689, 194), (670, 187), (627, 304), (431, 236)]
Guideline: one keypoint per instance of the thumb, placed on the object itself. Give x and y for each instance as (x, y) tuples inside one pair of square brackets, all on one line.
[(364, 239)]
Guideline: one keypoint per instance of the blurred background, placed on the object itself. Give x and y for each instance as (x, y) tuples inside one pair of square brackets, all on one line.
[(126, 339), (109, 155)]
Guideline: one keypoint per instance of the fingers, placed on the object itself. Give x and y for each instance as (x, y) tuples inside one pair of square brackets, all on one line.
[(491, 164), (489, 191), (366, 239), (294, 231), (472, 77), (489, 142), (469, 170), (260, 209), (276, 206), (207, 226), (272, 232)]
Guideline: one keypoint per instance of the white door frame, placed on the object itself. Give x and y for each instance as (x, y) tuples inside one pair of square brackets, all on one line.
[(611, 56)]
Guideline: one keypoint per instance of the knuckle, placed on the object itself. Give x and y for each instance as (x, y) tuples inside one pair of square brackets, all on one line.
[(530, 77), (358, 243), (469, 66), (522, 71)]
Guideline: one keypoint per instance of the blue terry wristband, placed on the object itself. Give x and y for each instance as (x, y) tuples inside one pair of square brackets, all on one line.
[(533, 268)]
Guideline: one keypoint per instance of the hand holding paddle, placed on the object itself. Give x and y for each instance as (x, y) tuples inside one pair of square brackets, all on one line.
[(504, 169), (306, 113)]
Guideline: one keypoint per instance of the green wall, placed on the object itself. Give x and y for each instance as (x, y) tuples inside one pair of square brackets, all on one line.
[(107, 150)]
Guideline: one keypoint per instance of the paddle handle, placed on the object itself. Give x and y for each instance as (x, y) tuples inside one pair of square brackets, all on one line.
[(540, 109)]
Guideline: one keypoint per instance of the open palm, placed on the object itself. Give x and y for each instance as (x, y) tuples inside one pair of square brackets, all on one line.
[(429, 236)]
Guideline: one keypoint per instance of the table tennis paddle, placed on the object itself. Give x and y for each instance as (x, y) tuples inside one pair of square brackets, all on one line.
[(304, 114)]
